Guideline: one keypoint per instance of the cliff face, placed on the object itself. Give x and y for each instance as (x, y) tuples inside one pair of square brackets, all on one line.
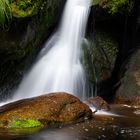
[(32, 21), (114, 39)]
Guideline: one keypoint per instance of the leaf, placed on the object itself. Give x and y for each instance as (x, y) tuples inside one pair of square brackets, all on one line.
[(5, 13)]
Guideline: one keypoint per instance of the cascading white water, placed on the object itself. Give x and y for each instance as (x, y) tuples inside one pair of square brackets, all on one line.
[(58, 67)]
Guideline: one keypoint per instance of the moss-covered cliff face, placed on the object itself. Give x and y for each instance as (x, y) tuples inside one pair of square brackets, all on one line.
[(32, 21), (100, 56)]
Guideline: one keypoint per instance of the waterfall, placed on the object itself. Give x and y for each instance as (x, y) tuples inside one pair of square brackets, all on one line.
[(58, 67)]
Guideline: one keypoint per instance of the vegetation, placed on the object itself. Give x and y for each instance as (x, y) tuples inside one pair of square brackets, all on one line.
[(25, 8), (18, 9), (25, 124), (115, 6), (5, 13)]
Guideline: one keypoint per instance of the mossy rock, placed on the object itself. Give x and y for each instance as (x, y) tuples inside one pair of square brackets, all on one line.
[(100, 56), (46, 110)]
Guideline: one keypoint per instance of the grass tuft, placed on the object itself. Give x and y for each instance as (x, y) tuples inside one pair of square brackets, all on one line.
[(5, 13)]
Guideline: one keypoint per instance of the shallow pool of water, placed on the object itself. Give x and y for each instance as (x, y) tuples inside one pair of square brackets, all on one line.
[(124, 126)]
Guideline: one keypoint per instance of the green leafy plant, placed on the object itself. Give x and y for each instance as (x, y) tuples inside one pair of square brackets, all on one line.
[(5, 13), (25, 124), (26, 8), (24, 4), (115, 6)]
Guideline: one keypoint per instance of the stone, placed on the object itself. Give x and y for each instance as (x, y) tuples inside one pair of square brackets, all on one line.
[(49, 109), (99, 103), (132, 101), (100, 56), (129, 90)]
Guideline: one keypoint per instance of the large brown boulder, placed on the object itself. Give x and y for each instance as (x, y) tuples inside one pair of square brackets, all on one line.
[(53, 108)]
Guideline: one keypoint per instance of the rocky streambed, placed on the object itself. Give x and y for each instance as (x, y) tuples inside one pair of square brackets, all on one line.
[(125, 125), (61, 116)]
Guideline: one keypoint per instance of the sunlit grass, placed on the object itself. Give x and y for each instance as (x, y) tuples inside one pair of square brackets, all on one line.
[(5, 13)]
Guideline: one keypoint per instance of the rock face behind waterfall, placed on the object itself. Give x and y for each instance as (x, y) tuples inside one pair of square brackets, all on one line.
[(129, 90), (54, 108)]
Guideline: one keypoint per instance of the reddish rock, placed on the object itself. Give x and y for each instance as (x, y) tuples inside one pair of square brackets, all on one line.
[(53, 108), (99, 103)]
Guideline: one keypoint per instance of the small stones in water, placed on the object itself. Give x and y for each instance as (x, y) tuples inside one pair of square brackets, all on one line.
[(71, 128), (103, 137), (127, 106), (103, 129), (122, 131), (86, 118), (60, 127), (100, 127), (137, 112), (129, 132), (86, 130)]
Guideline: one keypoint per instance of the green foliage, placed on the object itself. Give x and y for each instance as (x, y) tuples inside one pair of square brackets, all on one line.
[(25, 124), (115, 6), (5, 13), (26, 8), (24, 4)]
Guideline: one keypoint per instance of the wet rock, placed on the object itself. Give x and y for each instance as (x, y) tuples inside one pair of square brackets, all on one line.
[(49, 109), (98, 103), (129, 90), (132, 101), (100, 56)]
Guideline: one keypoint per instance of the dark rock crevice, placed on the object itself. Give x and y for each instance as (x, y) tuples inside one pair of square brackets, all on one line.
[(125, 30)]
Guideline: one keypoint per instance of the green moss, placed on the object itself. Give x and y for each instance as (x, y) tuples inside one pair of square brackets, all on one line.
[(25, 124), (25, 8), (24, 4), (116, 6)]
